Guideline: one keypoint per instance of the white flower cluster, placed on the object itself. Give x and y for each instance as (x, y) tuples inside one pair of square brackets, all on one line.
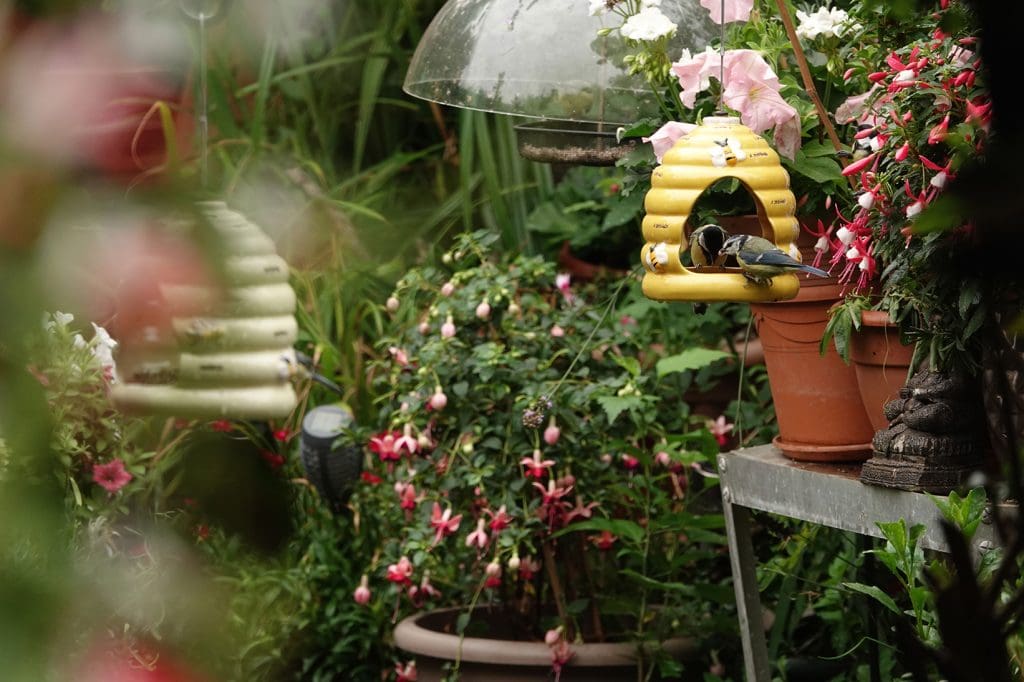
[(826, 23), (603, 6), (101, 344), (648, 24)]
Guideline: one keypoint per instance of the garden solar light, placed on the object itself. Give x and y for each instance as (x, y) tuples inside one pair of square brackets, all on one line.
[(333, 471)]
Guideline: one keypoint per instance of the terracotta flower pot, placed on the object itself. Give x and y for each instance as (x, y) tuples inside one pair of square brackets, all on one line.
[(428, 636), (817, 402), (881, 363)]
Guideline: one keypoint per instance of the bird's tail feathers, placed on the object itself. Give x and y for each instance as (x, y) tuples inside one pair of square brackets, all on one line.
[(813, 270)]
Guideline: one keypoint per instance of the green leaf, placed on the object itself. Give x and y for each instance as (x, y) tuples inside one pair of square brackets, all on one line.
[(877, 594), (615, 405), (819, 169), (657, 584), (630, 364), (621, 528), (691, 359)]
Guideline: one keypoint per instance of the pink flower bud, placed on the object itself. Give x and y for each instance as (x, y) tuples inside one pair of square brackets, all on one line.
[(448, 328), (362, 593), (392, 304), (849, 72), (663, 458), (553, 636), (552, 433), (424, 328), (483, 311), (902, 152), (606, 458), (557, 331), (439, 399), (514, 562), (447, 289), (493, 569)]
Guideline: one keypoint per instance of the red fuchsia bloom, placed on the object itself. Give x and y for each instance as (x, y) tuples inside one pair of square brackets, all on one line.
[(282, 435), (552, 433), (849, 72), (535, 466), (439, 400), (552, 493), (562, 283), (604, 541), (111, 476), (408, 497), (630, 462), (406, 673), (401, 573), (528, 568), (221, 426), (483, 310), (557, 331), (478, 537), (581, 511), (939, 132), (362, 593), (902, 152), (406, 441), (400, 356), (720, 429), (272, 458), (443, 523), (821, 249), (858, 166), (371, 478), (384, 445), (493, 573), (448, 328), (980, 112), (427, 588), (499, 519)]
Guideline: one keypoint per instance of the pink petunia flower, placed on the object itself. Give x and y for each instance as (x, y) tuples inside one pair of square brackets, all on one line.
[(735, 10), (111, 476), (665, 137)]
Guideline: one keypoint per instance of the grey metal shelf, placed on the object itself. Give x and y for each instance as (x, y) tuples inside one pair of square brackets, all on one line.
[(831, 495)]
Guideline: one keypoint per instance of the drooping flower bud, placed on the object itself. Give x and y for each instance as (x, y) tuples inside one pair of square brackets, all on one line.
[(448, 328), (663, 458), (493, 569), (513, 308), (866, 201), (557, 331), (392, 304), (439, 399), (362, 593), (483, 311), (447, 289), (424, 328), (552, 433), (514, 562)]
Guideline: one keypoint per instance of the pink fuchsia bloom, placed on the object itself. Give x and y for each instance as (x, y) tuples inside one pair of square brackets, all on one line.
[(448, 328), (282, 435), (663, 458), (392, 304), (483, 311), (383, 444), (371, 478), (408, 497), (447, 289), (665, 137), (528, 568), (855, 108), (406, 673), (478, 537), (493, 573), (552, 493), (939, 132), (535, 466), (439, 400), (406, 441), (362, 593), (604, 541), (552, 432), (111, 476), (903, 152), (630, 462), (720, 429), (581, 511), (424, 328), (557, 331), (401, 572), (275, 460), (399, 355), (443, 523), (427, 588), (860, 165), (499, 519), (562, 281), (735, 10)]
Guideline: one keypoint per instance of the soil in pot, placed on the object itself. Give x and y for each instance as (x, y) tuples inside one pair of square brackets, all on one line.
[(485, 657), (881, 363), (817, 401)]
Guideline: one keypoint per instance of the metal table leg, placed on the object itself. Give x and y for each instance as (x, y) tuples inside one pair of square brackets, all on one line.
[(748, 601)]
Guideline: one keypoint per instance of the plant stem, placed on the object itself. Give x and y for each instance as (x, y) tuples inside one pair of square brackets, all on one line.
[(556, 585)]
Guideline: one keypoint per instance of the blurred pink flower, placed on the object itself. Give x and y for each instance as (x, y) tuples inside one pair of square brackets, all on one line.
[(478, 537), (443, 523), (111, 476), (666, 136), (362, 595), (720, 429), (735, 10)]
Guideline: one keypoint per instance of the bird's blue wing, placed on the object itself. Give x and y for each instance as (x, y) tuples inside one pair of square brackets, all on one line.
[(777, 258)]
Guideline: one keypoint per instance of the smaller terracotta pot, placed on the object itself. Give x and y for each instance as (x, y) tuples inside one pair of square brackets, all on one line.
[(881, 362)]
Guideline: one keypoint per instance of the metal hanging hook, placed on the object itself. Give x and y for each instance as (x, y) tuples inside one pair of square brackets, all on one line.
[(202, 11), (721, 64)]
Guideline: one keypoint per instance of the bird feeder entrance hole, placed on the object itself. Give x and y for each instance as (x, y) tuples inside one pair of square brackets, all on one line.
[(718, 149)]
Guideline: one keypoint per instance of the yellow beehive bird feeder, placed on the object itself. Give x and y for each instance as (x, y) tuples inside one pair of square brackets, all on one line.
[(717, 149)]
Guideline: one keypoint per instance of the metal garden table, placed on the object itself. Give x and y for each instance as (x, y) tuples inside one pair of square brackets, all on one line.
[(762, 479)]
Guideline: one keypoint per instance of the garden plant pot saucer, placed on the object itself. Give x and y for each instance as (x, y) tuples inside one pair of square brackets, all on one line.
[(811, 452)]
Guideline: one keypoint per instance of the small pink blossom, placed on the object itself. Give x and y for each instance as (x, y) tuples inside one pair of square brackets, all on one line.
[(408, 497), (499, 519), (528, 568), (424, 328), (903, 152), (111, 476), (362, 593), (720, 429), (557, 331), (630, 462), (552, 432), (392, 304), (448, 328), (663, 458), (407, 442), (483, 310), (443, 523), (939, 132), (447, 289), (604, 541), (383, 444), (665, 137), (439, 399), (400, 572), (399, 355), (427, 588), (535, 465), (478, 537), (493, 573)]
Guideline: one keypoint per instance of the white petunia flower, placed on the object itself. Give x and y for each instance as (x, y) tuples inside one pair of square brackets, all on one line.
[(826, 23), (648, 24)]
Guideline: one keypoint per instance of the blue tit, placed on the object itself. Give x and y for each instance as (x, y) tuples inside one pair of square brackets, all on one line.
[(761, 260), (706, 245)]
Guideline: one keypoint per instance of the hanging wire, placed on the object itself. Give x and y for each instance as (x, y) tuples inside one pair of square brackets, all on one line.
[(721, 63), (201, 12)]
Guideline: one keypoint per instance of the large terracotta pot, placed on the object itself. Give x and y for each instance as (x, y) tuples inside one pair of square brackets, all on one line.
[(428, 636), (817, 402), (881, 363)]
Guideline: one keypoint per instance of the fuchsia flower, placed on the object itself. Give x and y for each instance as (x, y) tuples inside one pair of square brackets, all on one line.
[(939, 132), (371, 478), (483, 310), (401, 572), (282, 435), (406, 673), (479, 536), (362, 593), (447, 289), (493, 573), (528, 568), (427, 588), (221, 425), (439, 400), (406, 441), (552, 493), (720, 429), (399, 355), (535, 466), (384, 445), (557, 331), (407, 495), (630, 462), (392, 304), (448, 328), (552, 432), (604, 541), (111, 476), (499, 519), (443, 523), (582, 511)]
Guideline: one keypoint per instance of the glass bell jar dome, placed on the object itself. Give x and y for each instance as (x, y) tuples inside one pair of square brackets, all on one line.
[(543, 59)]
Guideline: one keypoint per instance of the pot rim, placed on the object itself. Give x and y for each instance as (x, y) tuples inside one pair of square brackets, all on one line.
[(412, 637)]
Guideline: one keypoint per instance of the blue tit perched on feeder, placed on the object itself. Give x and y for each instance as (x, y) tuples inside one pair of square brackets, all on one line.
[(761, 260), (706, 245)]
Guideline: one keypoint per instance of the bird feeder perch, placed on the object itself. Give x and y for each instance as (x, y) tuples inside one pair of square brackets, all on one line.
[(231, 356), (718, 149)]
